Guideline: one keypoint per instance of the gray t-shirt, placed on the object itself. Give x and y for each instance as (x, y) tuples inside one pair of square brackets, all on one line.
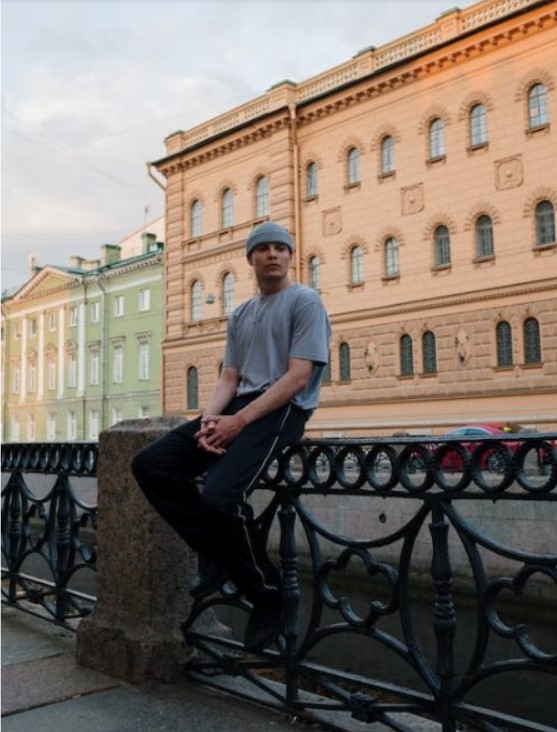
[(265, 331)]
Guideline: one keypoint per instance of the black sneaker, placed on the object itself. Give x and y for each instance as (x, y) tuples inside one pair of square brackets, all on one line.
[(209, 581), (264, 623)]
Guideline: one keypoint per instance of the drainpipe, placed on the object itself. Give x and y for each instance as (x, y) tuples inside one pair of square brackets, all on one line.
[(103, 355), (297, 201), (7, 373), (150, 174)]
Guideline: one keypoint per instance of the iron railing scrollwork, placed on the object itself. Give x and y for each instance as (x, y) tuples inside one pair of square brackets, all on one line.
[(48, 529), (432, 503)]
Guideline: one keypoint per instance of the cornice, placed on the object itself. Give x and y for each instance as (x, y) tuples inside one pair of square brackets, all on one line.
[(446, 301)]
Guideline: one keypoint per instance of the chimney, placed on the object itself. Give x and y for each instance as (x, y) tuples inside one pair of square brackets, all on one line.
[(76, 262), (110, 254), (149, 242)]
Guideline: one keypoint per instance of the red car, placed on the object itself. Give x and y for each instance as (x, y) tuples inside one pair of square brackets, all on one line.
[(494, 459)]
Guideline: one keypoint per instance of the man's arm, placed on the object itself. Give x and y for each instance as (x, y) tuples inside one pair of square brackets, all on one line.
[(226, 427)]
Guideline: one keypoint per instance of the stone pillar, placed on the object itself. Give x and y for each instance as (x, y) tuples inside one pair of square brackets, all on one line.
[(143, 570)]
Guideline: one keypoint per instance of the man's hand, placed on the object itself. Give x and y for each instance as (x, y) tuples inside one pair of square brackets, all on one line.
[(218, 430)]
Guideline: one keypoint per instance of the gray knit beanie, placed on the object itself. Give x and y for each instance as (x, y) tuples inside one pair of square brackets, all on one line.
[(268, 233)]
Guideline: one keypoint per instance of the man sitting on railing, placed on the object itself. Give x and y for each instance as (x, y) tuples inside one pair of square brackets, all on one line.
[(276, 350)]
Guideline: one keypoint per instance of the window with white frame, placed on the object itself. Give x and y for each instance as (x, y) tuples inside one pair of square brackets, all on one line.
[(72, 370), (117, 363), (545, 223), (94, 424), (117, 415), (16, 378), (387, 155), (484, 237), (538, 106), (144, 299), (392, 257), (311, 180), (52, 320), (442, 246), (73, 317), (227, 209), (353, 166), (314, 273), (31, 375), (227, 293), (437, 138), (94, 367), (118, 306), (262, 197), (196, 217), (196, 300), (356, 265), (51, 372), (33, 327), (95, 312), (71, 426), (15, 429), (144, 360), (30, 427), (51, 427), (143, 412), (17, 330), (478, 125)]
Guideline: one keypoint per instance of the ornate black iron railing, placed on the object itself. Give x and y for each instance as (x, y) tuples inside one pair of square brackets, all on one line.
[(438, 482), (440, 485), (48, 537)]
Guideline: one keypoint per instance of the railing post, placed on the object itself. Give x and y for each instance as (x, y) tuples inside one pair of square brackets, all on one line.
[(143, 570), (289, 564)]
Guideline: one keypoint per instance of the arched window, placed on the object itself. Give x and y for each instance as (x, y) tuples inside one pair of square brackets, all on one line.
[(344, 361), (196, 219), (442, 246), (504, 339), (406, 356), (227, 293), (192, 389), (532, 341), (353, 163), (262, 197), (478, 125), (326, 378), (196, 295), (227, 212), (437, 138), (429, 353), (311, 180), (545, 223), (356, 265), (392, 261), (314, 273), (387, 155), (484, 237), (538, 108)]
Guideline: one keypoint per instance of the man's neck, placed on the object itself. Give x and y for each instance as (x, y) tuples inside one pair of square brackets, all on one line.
[(271, 288)]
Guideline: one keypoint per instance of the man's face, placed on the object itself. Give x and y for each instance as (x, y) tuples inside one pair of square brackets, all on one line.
[(270, 262)]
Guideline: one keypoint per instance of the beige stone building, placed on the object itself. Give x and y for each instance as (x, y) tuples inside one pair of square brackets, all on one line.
[(420, 182)]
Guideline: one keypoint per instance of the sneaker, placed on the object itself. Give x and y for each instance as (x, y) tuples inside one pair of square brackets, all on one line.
[(209, 581), (264, 623)]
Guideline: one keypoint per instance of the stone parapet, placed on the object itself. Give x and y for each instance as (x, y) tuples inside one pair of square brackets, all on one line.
[(143, 570)]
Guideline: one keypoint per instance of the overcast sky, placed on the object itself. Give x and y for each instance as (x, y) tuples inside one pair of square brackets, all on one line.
[(90, 89)]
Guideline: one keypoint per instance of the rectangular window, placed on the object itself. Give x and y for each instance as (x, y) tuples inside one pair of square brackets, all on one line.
[(15, 429), (117, 415), (52, 321), (51, 427), (144, 359), (31, 427), (143, 412), (16, 379), (73, 317), (33, 327), (94, 368), (144, 300), (31, 376), (118, 306), (17, 334), (95, 312), (71, 426), (51, 374), (94, 424), (117, 364), (72, 370)]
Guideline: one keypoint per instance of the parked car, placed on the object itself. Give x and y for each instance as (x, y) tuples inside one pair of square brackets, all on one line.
[(492, 460)]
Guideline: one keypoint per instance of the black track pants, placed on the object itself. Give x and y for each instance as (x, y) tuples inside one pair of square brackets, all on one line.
[(218, 521)]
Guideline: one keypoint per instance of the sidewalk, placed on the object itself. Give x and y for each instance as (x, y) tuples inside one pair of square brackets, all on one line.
[(43, 688)]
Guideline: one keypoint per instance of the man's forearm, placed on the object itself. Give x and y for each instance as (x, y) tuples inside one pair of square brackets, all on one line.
[(221, 397)]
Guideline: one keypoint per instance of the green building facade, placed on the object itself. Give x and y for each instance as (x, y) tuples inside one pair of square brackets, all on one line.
[(81, 346)]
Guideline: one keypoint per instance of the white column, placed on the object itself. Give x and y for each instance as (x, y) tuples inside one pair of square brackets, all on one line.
[(23, 389), (81, 349), (61, 352)]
